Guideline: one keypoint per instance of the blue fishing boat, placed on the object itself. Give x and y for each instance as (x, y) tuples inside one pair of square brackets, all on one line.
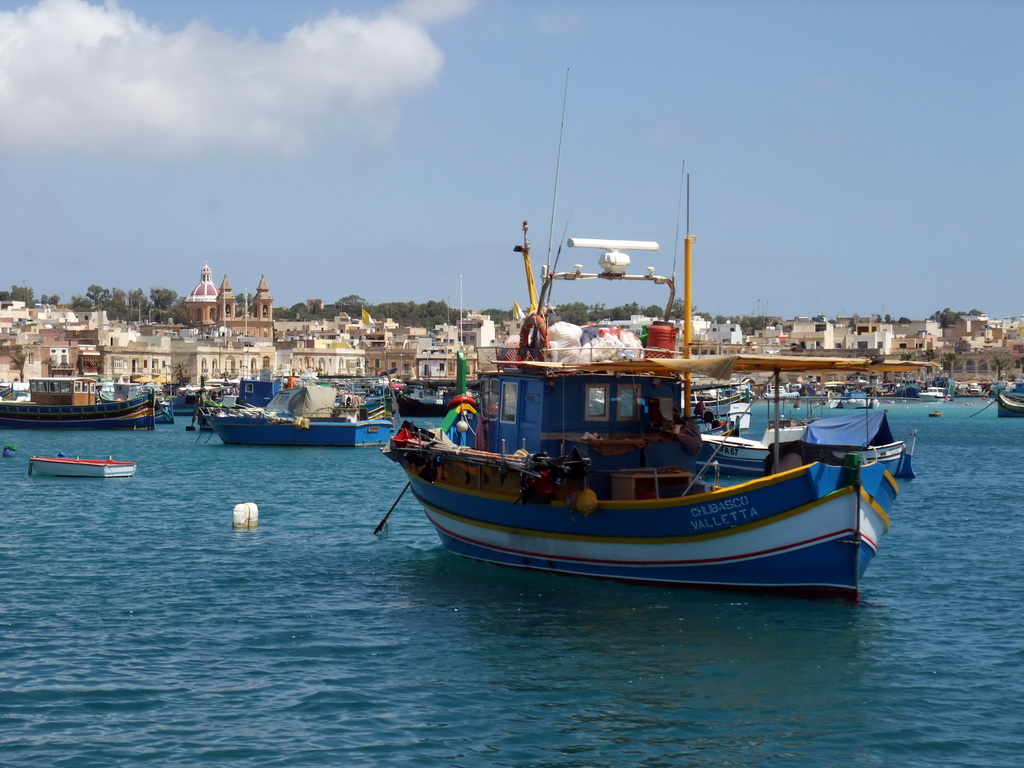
[(585, 469), (1009, 405), (305, 415), (73, 403)]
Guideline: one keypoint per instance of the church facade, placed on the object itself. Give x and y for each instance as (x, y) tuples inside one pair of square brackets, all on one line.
[(209, 306)]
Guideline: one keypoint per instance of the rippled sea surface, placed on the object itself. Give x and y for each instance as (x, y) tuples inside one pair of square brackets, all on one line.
[(138, 628)]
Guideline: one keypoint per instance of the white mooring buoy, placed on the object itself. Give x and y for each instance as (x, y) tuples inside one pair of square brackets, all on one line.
[(246, 516)]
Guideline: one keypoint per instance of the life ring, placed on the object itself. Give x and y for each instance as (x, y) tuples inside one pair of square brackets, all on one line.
[(461, 400), (533, 338)]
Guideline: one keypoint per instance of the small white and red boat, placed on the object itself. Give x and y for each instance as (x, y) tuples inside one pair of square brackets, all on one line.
[(68, 467)]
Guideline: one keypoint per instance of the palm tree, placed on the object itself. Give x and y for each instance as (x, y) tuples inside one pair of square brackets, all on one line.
[(181, 372), (948, 361), (1000, 364), (49, 363), (930, 355), (19, 356)]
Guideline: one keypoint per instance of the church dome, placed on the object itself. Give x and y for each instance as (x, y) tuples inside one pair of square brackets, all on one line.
[(206, 290)]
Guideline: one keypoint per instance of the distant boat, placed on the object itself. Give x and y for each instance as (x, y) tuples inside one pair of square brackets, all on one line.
[(306, 415), (907, 389), (826, 440), (854, 399), (73, 403), (421, 401), (934, 393), (66, 467), (1009, 405), (189, 398)]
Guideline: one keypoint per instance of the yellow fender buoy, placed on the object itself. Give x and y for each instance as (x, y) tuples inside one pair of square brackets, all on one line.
[(586, 502)]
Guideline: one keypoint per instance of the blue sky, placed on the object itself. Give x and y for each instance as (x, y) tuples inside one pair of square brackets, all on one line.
[(844, 157)]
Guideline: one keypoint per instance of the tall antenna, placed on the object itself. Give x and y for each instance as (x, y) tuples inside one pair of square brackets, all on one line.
[(679, 213), (558, 163)]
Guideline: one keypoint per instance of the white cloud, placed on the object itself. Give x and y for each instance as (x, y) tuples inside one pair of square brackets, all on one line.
[(88, 78)]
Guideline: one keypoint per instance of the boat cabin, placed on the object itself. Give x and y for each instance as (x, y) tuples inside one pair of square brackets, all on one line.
[(620, 422), (63, 391)]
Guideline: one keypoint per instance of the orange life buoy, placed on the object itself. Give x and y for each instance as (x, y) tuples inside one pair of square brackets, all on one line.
[(533, 338)]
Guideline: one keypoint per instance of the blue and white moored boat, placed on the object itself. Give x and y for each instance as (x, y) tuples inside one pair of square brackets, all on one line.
[(305, 415), (583, 469), (828, 440)]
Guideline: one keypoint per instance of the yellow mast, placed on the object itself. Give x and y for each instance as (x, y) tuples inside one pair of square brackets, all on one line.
[(531, 286), (687, 312)]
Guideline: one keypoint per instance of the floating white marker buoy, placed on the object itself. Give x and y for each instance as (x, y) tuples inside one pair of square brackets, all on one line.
[(246, 516)]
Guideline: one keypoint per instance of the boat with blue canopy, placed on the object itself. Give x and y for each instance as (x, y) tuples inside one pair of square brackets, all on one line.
[(826, 439), (303, 415)]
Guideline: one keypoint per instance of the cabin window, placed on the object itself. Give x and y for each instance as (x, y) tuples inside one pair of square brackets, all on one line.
[(627, 407), (597, 402), (509, 400), (489, 398)]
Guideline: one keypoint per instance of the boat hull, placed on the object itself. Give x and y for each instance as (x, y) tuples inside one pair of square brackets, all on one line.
[(241, 430), (137, 413), (1008, 406), (65, 467), (798, 532)]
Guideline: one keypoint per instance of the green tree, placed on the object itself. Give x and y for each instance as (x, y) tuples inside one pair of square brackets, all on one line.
[(162, 298), (53, 300), (573, 312), (497, 315), (352, 305), (19, 356), (139, 305), (949, 359), (177, 313), (23, 293), (1001, 364), (98, 295)]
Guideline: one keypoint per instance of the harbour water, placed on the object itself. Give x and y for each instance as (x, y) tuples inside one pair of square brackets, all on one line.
[(138, 628)]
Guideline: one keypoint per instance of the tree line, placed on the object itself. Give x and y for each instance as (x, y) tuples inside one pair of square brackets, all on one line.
[(163, 305)]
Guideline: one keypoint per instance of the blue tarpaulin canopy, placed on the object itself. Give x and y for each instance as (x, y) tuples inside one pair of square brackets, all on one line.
[(867, 428)]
